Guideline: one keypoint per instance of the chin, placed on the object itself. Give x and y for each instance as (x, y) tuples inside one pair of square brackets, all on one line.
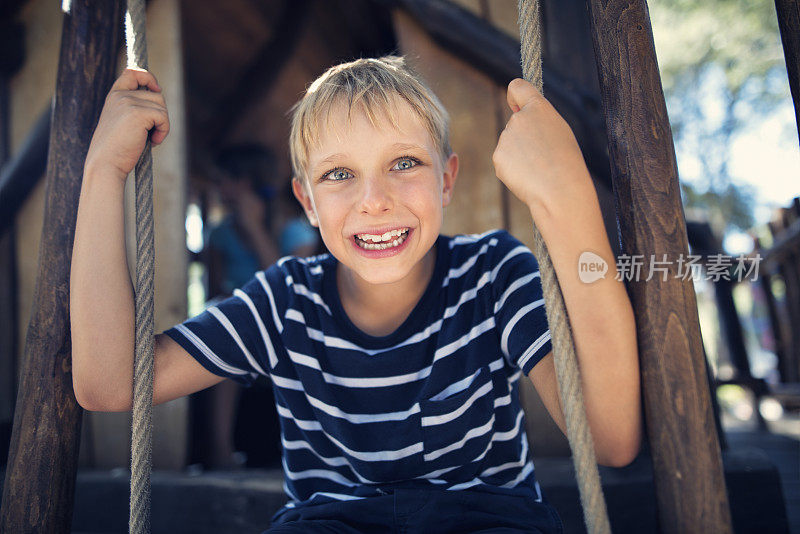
[(380, 276)]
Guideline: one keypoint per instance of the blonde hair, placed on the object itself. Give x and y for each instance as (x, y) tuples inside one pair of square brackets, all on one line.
[(372, 83)]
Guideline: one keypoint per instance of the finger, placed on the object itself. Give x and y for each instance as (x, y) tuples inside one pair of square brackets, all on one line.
[(156, 121), (141, 97), (520, 93), (132, 79), (160, 128)]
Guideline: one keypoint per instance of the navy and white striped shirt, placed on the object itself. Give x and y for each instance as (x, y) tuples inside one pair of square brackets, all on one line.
[(434, 404)]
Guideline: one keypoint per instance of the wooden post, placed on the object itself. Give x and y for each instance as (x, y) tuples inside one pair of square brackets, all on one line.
[(40, 481), (687, 465), (779, 338), (8, 294), (789, 23), (787, 268)]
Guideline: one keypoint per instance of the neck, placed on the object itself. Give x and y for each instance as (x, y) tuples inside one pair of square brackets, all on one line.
[(379, 309)]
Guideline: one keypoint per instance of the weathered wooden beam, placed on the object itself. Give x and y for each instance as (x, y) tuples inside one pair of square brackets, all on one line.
[(687, 463), (780, 342), (40, 481), (705, 243), (783, 258), (791, 280), (789, 22), (785, 242)]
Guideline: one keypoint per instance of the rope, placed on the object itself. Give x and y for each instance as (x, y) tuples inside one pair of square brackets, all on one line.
[(566, 363), (142, 424)]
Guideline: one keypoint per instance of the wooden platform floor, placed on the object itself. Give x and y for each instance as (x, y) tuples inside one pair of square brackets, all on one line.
[(782, 445)]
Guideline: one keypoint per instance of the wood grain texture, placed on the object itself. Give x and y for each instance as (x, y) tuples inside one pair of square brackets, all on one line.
[(789, 22), (40, 481), (686, 454)]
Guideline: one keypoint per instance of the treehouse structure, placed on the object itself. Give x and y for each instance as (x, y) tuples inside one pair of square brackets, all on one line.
[(231, 70)]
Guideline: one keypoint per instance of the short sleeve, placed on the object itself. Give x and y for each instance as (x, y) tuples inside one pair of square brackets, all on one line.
[(519, 309), (237, 337)]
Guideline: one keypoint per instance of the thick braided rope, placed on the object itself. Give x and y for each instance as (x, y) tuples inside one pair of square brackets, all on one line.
[(566, 362), (142, 423)]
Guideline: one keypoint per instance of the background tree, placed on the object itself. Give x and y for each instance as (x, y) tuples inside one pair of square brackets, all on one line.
[(723, 72)]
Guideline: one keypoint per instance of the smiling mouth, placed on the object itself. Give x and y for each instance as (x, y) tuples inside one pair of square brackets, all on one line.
[(391, 239)]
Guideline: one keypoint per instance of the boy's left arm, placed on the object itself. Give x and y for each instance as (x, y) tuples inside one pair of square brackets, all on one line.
[(539, 160)]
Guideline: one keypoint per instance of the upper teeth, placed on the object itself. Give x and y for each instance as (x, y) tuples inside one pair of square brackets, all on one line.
[(385, 237)]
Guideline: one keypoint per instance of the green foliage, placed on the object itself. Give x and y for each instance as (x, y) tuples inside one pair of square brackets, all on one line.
[(741, 36), (733, 204), (722, 68)]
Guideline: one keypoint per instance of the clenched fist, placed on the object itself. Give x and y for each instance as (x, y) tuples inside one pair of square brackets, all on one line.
[(537, 156), (129, 115)]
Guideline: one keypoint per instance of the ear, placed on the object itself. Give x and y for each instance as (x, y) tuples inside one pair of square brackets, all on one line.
[(449, 178), (302, 196)]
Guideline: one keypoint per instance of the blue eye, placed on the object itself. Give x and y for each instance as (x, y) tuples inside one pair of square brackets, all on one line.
[(405, 163), (336, 175)]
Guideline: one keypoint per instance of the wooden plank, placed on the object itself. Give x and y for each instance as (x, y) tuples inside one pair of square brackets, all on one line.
[(788, 271), (783, 258), (39, 488), (789, 22), (778, 336), (687, 463), (785, 242)]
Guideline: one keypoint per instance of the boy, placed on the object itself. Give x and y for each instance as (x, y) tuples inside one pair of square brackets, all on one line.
[(395, 359)]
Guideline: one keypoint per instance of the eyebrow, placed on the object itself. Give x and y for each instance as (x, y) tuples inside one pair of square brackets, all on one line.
[(332, 158), (406, 146)]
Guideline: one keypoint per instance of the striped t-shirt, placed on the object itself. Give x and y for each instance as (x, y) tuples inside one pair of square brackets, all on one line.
[(434, 404)]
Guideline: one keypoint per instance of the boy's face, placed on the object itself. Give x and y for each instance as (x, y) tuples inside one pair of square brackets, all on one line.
[(365, 181)]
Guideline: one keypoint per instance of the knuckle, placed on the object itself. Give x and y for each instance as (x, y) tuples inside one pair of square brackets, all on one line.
[(497, 155)]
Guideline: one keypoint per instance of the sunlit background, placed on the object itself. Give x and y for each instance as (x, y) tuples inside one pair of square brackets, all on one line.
[(736, 142)]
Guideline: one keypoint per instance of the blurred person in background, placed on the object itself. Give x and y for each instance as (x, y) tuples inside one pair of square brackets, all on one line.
[(262, 222)]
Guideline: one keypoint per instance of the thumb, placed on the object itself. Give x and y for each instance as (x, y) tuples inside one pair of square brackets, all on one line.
[(520, 93)]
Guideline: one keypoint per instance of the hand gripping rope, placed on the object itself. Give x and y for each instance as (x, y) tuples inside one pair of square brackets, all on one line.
[(142, 423), (566, 363)]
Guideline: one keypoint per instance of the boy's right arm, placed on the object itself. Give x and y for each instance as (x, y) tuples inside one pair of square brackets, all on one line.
[(101, 294)]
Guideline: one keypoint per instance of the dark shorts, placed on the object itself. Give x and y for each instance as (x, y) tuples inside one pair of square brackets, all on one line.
[(422, 511)]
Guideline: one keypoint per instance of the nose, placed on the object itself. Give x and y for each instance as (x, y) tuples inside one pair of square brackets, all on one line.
[(375, 196)]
